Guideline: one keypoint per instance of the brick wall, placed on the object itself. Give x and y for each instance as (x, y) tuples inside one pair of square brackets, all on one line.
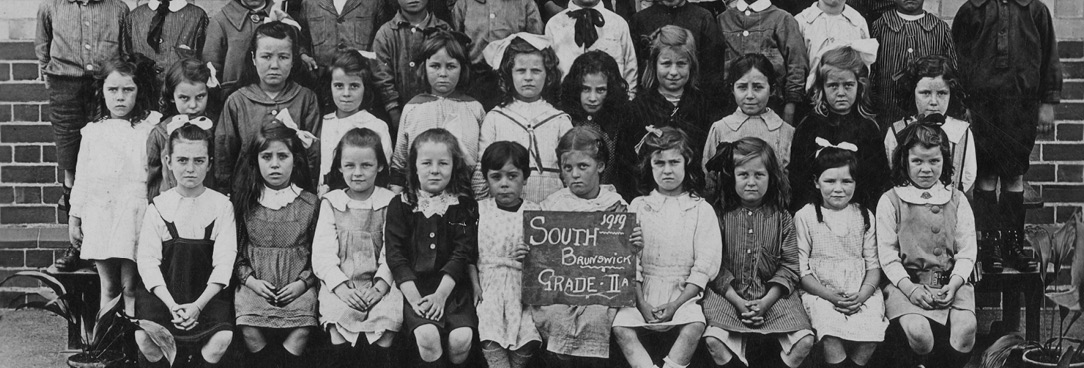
[(31, 232)]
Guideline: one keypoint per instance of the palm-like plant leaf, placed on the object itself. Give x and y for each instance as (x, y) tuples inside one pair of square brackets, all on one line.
[(105, 319), (1040, 239), (161, 337), (55, 308), (997, 355)]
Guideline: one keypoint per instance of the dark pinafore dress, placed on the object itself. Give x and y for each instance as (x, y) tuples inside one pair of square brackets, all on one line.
[(186, 267)]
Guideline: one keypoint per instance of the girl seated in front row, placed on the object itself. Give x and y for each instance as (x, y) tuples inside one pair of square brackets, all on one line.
[(681, 251), (507, 331), (837, 257), (358, 299), (579, 335), (754, 293), (531, 82), (432, 238), (926, 243), (275, 206), (186, 253)]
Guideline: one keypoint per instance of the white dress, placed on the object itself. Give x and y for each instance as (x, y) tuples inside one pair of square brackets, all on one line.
[(110, 190), (501, 315), (682, 245), (838, 252)]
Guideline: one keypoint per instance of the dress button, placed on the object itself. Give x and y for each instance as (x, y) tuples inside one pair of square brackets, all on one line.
[(750, 231), (745, 33), (911, 50), (747, 13), (86, 46), (90, 67), (492, 15), (938, 251), (86, 24), (411, 64), (935, 209), (936, 229), (750, 213), (432, 246), (431, 235)]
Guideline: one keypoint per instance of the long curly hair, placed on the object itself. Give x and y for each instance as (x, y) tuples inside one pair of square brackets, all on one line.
[(594, 62), (927, 136), (248, 183), (550, 88), (845, 59), (677, 39), (461, 174), (734, 154), (932, 66), (671, 138), (138, 67)]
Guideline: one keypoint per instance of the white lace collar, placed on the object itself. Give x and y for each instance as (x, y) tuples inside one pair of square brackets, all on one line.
[(937, 194), (277, 199), (341, 201), (430, 205)]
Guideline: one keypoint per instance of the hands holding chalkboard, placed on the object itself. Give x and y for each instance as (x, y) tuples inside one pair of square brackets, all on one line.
[(636, 240), (521, 252)]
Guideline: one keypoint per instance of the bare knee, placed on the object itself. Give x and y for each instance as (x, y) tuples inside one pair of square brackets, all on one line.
[(625, 335), (253, 338), (719, 352), (919, 335), (428, 339), (459, 341), (801, 348), (216, 346), (962, 331), (147, 346)]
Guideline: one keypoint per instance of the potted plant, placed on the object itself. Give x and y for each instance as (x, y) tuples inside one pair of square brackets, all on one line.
[(101, 335), (1058, 246)]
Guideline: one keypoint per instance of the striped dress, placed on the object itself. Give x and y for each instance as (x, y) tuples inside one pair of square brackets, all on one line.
[(902, 42), (760, 249)]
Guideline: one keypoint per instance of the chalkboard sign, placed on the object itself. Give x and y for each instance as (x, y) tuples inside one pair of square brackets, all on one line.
[(579, 258)]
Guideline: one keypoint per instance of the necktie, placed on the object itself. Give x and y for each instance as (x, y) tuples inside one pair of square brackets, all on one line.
[(154, 37), (587, 19)]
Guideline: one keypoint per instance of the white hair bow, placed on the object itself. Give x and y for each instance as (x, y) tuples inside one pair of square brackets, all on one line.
[(494, 51), (366, 54), (823, 143), (212, 82), (651, 129), (278, 15), (306, 137), (180, 120)]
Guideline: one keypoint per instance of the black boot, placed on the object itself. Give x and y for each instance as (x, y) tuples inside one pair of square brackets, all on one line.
[(269, 357), (843, 364), (733, 363), (955, 359), (986, 222), (1012, 207), (289, 360), (199, 362), (854, 364)]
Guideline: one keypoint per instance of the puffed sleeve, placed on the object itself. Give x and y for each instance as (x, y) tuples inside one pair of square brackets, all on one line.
[(966, 247), (464, 240), (149, 251), (888, 242), (869, 246), (805, 243), (787, 273), (224, 253), (325, 248), (707, 248), (397, 230)]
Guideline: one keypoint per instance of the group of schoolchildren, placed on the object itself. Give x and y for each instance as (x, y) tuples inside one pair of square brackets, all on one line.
[(360, 169)]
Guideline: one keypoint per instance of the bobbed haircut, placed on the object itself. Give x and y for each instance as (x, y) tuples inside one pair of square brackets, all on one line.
[(552, 85), (187, 70), (679, 40), (671, 138), (360, 138), (584, 139), (735, 154), (831, 158), (447, 41), (932, 66), (926, 136), (842, 59), (461, 175), (191, 133), (280, 31), (141, 70), (593, 62), (352, 63), (743, 64), (501, 153)]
